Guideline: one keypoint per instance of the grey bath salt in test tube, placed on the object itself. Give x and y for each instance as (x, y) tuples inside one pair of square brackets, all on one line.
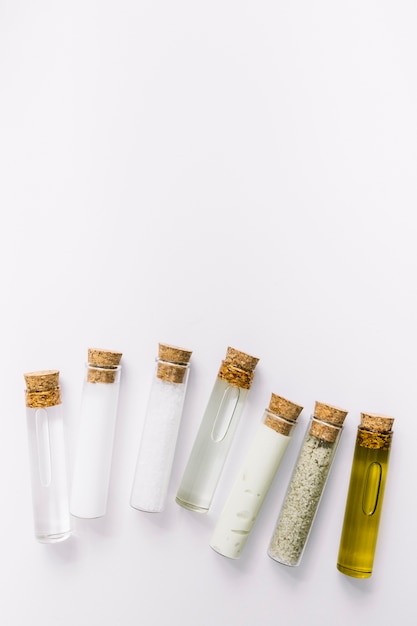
[(307, 483)]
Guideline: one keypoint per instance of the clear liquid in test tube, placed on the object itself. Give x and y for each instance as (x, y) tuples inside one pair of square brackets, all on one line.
[(47, 456), (216, 432)]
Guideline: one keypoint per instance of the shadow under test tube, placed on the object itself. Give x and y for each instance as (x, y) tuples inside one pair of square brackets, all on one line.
[(216, 431), (47, 456), (98, 413)]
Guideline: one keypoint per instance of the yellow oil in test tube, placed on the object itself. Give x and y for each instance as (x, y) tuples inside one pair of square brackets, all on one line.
[(365, 496)]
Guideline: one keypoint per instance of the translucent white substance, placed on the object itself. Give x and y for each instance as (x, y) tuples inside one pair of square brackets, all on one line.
[(211, 446), (90, 483), (249, 491), (157, 447), (47, 457)]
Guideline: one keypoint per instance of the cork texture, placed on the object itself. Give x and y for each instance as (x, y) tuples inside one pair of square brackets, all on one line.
[(102, 365), (241, 359), (279, 424), (324, 431), (375, 431), (173, 354), (377, 423), (330, 414), (42, 389), (373, 440), (284, 408), (171, 372), (328, 421), (238, 368), (281, 414), (103, 358), (172, 363)]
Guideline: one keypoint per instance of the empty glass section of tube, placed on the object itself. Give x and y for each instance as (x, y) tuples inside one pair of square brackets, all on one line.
[(211, 446), (47, 458)]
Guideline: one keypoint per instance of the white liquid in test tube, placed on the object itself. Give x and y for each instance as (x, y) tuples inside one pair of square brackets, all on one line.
[(255, 477)]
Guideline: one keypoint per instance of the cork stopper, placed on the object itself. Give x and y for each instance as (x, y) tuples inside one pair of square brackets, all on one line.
[(238, 368), (378, 423), (284, 408), (102, 365), (42, 389), (328, 421), (375, 431), (173, 354), (172, 363), (282, 414)]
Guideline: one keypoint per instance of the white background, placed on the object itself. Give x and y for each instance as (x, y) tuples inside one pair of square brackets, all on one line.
[(209, 174)]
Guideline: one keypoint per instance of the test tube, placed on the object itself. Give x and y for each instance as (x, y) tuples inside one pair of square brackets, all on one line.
[(47, 456), (216, 432), (98, 414), (365, 496)]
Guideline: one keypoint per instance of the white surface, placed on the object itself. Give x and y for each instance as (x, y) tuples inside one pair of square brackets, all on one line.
[(209, 174)]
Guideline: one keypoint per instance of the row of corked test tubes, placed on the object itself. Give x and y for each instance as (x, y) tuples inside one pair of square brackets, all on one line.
[(54, 502)]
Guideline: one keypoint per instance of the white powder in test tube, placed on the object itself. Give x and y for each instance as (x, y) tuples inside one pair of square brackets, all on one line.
[(157, 448)]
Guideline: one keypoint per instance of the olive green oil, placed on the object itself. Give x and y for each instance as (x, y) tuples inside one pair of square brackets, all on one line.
[(365, 497)]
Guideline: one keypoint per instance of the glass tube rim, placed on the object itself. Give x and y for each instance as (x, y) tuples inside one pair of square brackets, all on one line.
[(184, 366), (313, 418)]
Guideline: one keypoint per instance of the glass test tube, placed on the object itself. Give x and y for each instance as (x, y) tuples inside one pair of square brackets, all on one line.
[(216, 431), (255, 477), (365, 496), (160, 431), (47, 456), (307, 484), (93, 458)]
